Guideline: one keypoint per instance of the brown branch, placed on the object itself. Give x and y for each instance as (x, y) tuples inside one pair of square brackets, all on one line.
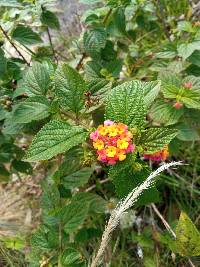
[(107, 16), (93, 186), (80, 63), (11, 42)]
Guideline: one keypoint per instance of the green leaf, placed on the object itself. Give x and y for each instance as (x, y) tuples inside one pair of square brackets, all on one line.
[(70, 257), (164, 113), (195, 82), (195, 58), (166, 54), (187, 132), (21, 166), (126, 178), (96, 203), (2, 113), (3, 63), (32, 109), (190, 98), (187, 237), (45, 238), (185, 26), (186, 49), (76, 178), (10, 127), (54, 138), (37, 80), (50, 19), (154, 139), (117, 23), (94, 40), (4, 174), (151, 91), (74, 215), (26, 36), (10, 3), (70, 87), (125, 103), (89, 1)]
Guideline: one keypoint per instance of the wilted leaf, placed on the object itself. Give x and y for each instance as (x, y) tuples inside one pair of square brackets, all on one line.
[(187, 237)]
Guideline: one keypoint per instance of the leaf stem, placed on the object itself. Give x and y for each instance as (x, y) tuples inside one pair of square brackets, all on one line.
[(51, 44), (13, 45)]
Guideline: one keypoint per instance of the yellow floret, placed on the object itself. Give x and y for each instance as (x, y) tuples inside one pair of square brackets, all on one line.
[(122, 144), (102, 130), (121, 157), (111, 151), (112, 130), (99, 144)]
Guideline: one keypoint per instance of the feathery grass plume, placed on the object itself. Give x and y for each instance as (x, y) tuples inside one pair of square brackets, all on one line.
[(124, 205)]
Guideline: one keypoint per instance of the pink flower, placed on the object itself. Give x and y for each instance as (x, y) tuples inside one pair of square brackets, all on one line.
[(154, 158), (102, 155), (112, 162), (108, 122), (130, 148), (94, 135)]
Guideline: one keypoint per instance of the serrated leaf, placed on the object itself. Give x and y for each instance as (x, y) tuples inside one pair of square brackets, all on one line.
[(166, 54), (2, 113), (187, 237), (70, 257), (125, 103), (26, 36), (77, 178), (10, 3), (195, 82), (96, 203), (194, 58), (164, 113), (94, 40), (32, 109), (187, 133), (191, 99), (70, 87), (151, 91), (117, 23), (37, 80), (3, 63), (10, 127), (49, 18), (54, 138), (126, 178), (155, 139), (73, 215), (45, 238), (186, 49)]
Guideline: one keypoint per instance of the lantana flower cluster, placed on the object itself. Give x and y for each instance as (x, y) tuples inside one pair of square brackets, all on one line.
[(112, 142), (158, 156)]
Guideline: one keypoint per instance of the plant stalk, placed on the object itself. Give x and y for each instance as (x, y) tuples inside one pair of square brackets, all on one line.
[(13, 45)]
